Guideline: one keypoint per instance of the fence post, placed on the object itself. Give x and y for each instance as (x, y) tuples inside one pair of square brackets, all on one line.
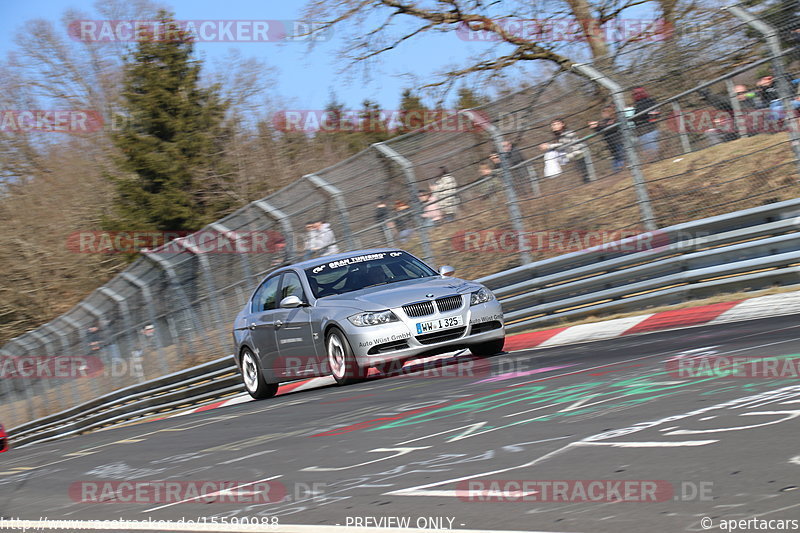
[(628, 139), (98, 316), (29, 391), (65, 353), (211, 292), (685, 145), (511, 195), (784, 89), (125, 311), (8, 396), (282, 219), (74, 324), (411, 181), (176, 283), (247, 271), (336, 194), (41, 339), (151, 314)]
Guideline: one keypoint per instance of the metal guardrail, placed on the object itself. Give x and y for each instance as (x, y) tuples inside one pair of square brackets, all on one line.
[(200, 383), (738, 251)]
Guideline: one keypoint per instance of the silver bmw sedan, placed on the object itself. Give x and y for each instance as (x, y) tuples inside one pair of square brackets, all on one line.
[(342, 314)]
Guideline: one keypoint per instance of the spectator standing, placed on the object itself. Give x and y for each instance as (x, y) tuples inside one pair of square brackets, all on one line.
[(566, 144), (445, 192), (646, 123), (402, 221), (489, 187), (312, 243), (513, 157), (612, 135), (327, 239), (748, 100), (430, 211)]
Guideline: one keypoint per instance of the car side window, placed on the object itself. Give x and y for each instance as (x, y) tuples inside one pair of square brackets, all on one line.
[(265, 297), (291, 286)]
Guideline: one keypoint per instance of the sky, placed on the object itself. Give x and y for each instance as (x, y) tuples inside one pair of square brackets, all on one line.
[(303, 79)]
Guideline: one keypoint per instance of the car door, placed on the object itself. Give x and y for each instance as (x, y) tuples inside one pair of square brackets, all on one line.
[(264, 306), (294, 332)]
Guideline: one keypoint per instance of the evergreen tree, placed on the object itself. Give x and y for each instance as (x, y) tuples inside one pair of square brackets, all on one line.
[(469, 99), (170, 139), (413, 112)]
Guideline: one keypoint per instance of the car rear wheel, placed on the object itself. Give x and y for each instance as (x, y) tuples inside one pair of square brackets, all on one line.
[(344, 367), (253, 378), (485, 349)]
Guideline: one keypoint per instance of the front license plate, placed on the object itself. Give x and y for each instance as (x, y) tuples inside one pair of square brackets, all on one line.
[(439, 323)]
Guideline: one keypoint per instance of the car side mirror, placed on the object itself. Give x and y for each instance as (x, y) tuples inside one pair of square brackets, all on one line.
[(291, 302), (445, 271)]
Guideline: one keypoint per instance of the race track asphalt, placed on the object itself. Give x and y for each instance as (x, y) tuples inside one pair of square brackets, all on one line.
[(443, 448)]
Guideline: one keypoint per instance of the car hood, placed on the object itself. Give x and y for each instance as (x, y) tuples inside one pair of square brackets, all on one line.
[(392, 295)]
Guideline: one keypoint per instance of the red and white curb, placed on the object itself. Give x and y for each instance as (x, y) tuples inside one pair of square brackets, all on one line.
[(719, 313)]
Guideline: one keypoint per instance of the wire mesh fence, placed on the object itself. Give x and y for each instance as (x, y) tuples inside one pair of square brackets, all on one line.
[(661, 131)]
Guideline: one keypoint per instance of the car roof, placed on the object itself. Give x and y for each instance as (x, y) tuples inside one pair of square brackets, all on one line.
[(336, 257)]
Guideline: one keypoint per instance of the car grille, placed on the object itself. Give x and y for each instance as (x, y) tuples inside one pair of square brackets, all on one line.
[(418, 309), (449, 303), (441, 336)]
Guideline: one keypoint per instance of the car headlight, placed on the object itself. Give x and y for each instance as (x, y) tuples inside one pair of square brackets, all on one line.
[(372, 319), (480, 296)]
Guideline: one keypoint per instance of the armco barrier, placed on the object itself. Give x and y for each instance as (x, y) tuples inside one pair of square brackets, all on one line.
[(748, 249)]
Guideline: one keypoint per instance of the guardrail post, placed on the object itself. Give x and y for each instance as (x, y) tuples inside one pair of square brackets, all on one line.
[(247, 271), (64, 351), (284, 221), (341, 206), (151, 314), (411, 181), (685, 145), (628, 139), (739, 119), (508, 182), (784, 89), (212, 291)]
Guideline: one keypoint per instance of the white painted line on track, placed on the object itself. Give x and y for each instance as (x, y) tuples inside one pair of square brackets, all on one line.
[(246, 457), (654, 444), (210, 494)]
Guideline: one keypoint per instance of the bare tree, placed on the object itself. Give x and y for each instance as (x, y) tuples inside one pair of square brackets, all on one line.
[(517, 28)]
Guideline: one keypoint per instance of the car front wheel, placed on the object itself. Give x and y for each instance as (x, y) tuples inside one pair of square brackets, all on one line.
[(485, 349), (343, 365), (253, 378)]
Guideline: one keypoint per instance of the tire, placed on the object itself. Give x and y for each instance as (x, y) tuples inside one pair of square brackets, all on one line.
[(253, 378), (488, 348), (344, 367)]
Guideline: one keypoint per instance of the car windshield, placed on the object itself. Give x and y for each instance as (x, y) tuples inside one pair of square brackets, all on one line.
[(362, 271)]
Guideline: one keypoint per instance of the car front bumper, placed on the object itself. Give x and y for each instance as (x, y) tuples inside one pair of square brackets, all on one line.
[(374, 345)]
